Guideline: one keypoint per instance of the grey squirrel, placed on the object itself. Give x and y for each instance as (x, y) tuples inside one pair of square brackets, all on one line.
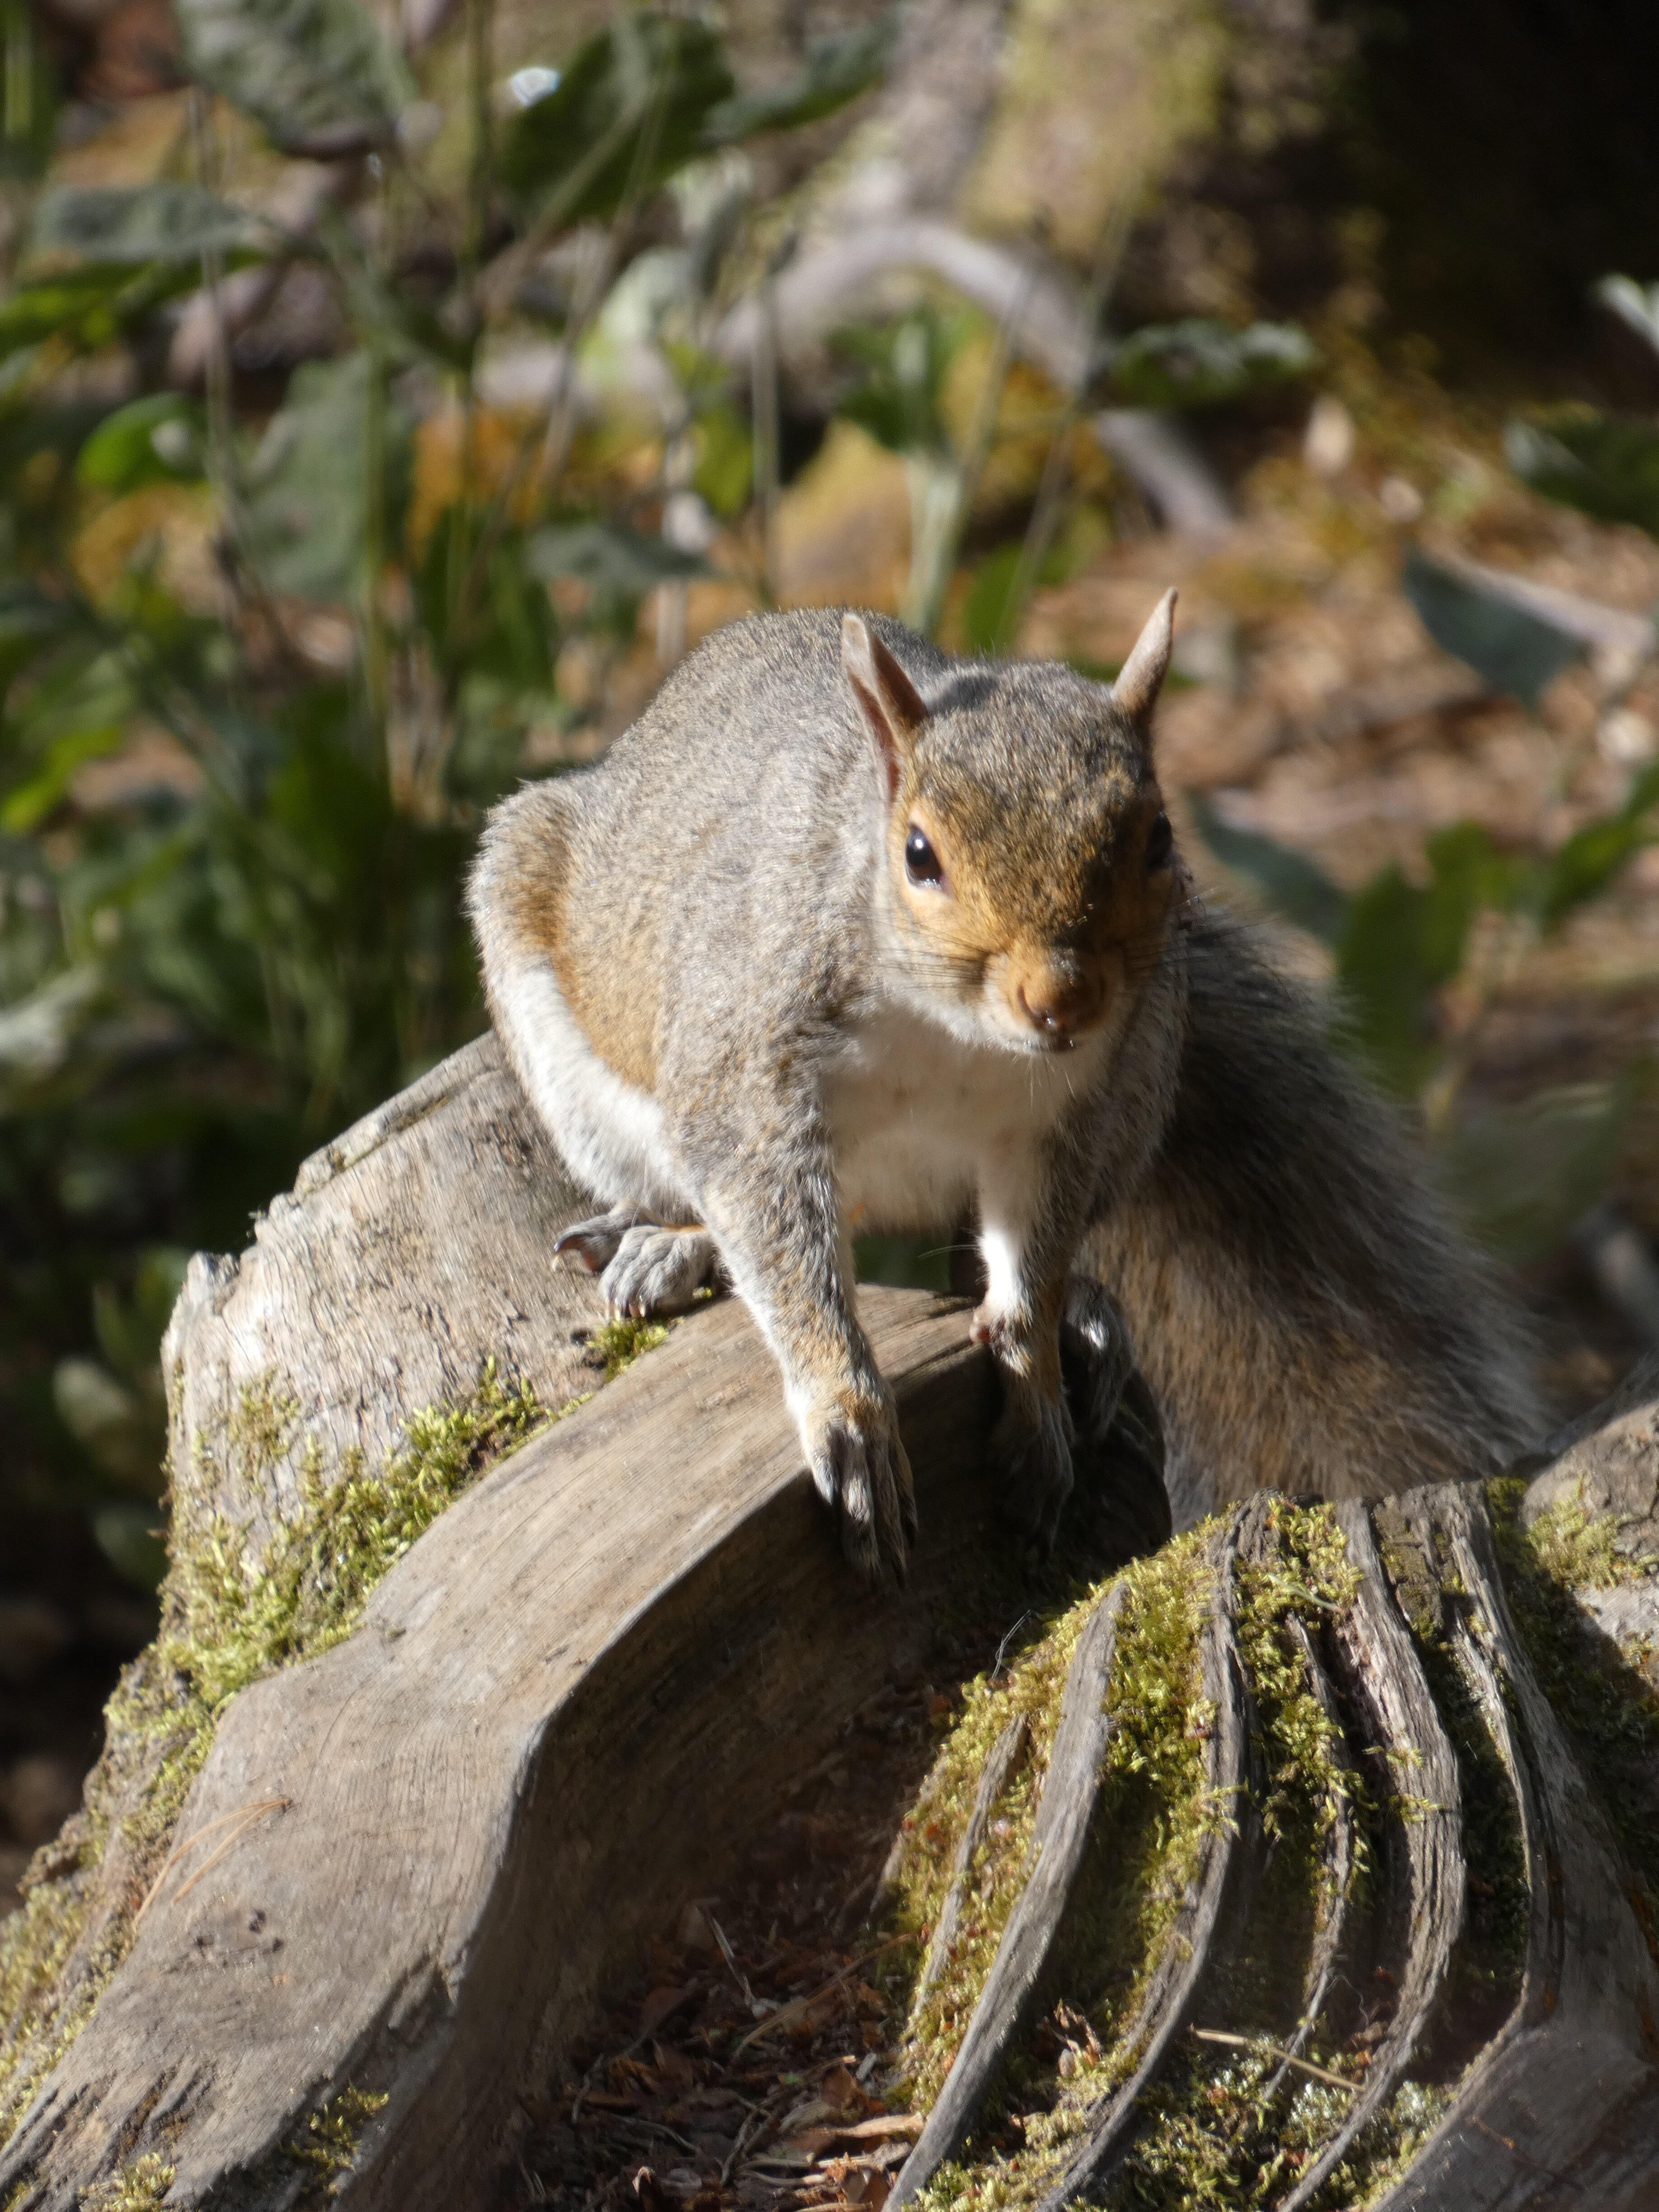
[(845, 935)]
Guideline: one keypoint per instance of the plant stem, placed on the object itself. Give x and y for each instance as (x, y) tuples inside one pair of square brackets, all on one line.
[(1045, 512), (764, 415)]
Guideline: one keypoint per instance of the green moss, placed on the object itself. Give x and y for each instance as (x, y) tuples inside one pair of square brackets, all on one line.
[(1215, 2138), (933, 1832), (1574, 1547), (1606, 1704), (617, 1344), (329, 2146), (224, 1625), (1154, 1814), (139, 2187)]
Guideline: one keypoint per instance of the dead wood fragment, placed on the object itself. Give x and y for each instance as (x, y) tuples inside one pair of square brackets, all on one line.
[(1005, 1757), (1386, 1684), (1173, 1988), (1058, 1838), (1567, 2087)]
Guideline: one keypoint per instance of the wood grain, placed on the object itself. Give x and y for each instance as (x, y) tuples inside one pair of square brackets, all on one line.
[(593, 1672)]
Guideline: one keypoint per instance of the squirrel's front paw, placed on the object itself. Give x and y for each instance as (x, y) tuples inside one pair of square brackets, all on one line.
[(1031, 1449), (859, 1467), (643, 1267), (658, 1270)]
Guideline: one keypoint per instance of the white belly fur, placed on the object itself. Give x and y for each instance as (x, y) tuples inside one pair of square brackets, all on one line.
[(610, 1133), (922, 1123)]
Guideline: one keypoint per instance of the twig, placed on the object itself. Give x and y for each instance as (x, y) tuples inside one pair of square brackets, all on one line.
[(246, 1814), (1275, 2050), (731, 1959), (1002, 1648), (750, 2120), (798, 2007)]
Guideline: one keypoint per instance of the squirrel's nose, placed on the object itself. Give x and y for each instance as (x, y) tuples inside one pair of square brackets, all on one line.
[(1059, 1005)]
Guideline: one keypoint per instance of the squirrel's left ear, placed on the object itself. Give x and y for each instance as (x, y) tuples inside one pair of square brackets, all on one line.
[(1141, 676), (888, 699)]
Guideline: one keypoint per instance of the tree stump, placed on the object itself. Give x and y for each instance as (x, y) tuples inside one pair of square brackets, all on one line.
[(1454, 1685), (378, 1818)]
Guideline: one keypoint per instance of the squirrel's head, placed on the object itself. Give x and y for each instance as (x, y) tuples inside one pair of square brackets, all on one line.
[(1032, 870)]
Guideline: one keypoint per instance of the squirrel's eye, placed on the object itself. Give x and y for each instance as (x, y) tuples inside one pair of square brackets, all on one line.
[(1160, 842), (921, 862)]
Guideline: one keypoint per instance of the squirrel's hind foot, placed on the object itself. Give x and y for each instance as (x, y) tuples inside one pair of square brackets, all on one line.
[(1032, 1452), (644, 1267)]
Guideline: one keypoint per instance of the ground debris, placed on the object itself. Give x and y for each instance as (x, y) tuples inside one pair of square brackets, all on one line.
[(752, 2066)]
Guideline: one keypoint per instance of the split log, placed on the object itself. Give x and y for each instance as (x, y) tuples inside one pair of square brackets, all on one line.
[(410, 1862)]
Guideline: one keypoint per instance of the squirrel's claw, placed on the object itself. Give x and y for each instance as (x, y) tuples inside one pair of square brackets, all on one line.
[(859, 1467), (594, 1242)]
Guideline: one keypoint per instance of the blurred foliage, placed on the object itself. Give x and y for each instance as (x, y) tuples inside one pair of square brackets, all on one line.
[(305, 648), (1512, 650), (1417, 964), (1605, 464), (1200, 362), (1419, 958)]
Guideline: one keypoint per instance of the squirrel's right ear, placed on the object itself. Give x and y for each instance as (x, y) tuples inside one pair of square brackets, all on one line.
[(1141, 676), (888, 699)]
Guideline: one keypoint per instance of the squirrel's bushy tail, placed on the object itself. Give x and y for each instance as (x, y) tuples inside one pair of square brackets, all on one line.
[(1304, 1312)]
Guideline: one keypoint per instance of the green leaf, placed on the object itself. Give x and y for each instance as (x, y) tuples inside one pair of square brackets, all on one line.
[(29, 805), (118, 224), (28, 95), (1587, 863), (306, 505), (1606, 466), (631, 107), (1292, 885), (1525, 1176), (1386, 982), (836, 70), (89, 307), (989, 612), (610, 557), (1466, 873), (1197, 362), (158, 440), (1514, 651), (725, 459), (319, 75), (899, 399), (1401, 942)]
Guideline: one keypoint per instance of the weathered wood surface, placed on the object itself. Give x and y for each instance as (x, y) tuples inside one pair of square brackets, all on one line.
[(584, 1688), (1560, 2105), (416, 1245), (595, 1670)]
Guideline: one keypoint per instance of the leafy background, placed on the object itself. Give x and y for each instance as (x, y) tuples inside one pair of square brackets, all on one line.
[(386, 401)]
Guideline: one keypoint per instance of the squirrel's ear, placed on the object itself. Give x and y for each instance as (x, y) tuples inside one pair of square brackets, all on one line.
[(1141, 676), (887, 698)]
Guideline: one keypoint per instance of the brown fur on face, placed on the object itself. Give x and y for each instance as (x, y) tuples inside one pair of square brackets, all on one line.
[(1057, 913)]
